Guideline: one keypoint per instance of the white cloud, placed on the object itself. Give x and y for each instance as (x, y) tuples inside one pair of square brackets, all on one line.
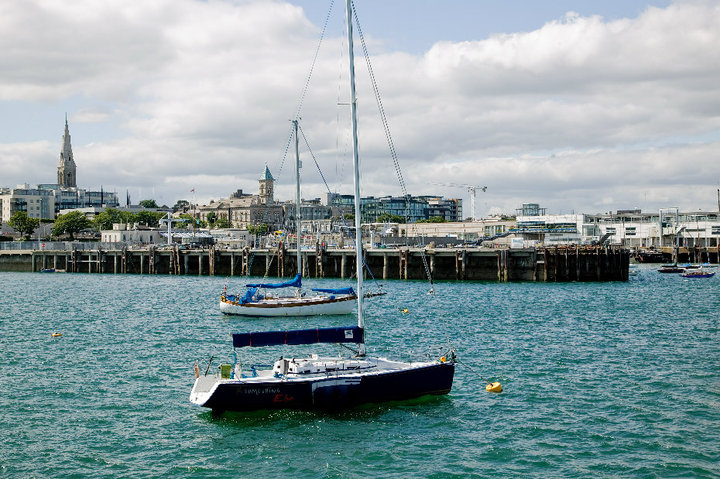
[(580, 114)]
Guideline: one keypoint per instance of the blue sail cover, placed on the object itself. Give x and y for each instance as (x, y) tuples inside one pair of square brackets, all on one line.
[(247, 298), (349, 334), (335, 291), (295, 283)]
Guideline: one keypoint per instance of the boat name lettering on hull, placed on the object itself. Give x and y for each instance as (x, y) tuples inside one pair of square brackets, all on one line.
[(260, 391)]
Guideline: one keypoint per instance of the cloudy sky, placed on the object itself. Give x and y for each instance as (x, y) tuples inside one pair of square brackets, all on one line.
[(581, 106)]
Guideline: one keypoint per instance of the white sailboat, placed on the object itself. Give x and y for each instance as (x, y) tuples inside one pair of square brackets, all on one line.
[(323, 382), (258, 301)]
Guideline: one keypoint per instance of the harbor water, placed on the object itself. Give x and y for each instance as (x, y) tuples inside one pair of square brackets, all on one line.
[(618, 379)]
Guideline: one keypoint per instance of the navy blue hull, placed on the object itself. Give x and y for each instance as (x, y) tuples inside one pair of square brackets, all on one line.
[(334, 392)]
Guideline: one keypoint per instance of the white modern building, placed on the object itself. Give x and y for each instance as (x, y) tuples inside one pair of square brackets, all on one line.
[(630, 228), (36, 203), (122, 233)]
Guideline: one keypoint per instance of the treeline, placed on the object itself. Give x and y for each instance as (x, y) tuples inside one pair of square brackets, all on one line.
[(75, 222)]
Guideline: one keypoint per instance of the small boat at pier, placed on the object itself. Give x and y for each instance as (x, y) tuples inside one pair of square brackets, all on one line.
[(697, 273), (671, 268)]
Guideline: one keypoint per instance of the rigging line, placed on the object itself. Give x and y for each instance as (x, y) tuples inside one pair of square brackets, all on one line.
[(427, 271), (301, 101), (472, 369), (383, 117), (388, 136), (317, 165), (380, 106), (267, 268), (307, 84)]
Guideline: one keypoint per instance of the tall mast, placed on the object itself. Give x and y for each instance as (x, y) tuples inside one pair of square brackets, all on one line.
[(356, 173), (297, 199)]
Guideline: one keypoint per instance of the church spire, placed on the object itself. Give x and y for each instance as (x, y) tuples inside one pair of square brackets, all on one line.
[(66, 167)]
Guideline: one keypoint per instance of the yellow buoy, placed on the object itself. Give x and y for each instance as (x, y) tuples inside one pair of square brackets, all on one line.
[(56, 335), (493, 388), (405, 310)]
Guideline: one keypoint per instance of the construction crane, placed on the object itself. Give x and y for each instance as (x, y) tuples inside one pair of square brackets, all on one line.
[(472, 189)]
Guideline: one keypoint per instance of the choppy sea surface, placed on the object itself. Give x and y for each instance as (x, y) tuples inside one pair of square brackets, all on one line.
[(614, 379)]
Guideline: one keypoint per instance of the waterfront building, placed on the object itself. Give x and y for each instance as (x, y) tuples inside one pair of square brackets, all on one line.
[(243, 210), (494, 229), (74, 198), (122, 233), (629, 228), (232, 237), (556, 229), (36, 203), (667, 227), (412, 208), (313, 215), (449, 209)]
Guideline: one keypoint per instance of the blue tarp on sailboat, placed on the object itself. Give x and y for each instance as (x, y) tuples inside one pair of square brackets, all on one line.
[(247, 298), (335, 291), (349, 334), (295, 283)]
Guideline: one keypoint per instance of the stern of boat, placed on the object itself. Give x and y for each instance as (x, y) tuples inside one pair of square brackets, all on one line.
[(203, 389)]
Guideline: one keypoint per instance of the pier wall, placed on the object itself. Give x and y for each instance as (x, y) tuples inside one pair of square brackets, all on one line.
[(669, 254), (581, 263)]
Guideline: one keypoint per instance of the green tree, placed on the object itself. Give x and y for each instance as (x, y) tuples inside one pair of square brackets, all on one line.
[(181, 205), (194, 222), (223, 222), (258, 229), (106, 219), (148, 204), (211, 217), (70, 223), (149, 218), (433, 219), (388, 218), (23, 224)]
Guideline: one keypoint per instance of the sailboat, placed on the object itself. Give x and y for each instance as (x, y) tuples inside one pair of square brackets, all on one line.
[(257, 301), (697, 272), (315, 382)]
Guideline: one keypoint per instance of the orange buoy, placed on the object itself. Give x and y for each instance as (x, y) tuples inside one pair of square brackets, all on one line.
[(197, 371)]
